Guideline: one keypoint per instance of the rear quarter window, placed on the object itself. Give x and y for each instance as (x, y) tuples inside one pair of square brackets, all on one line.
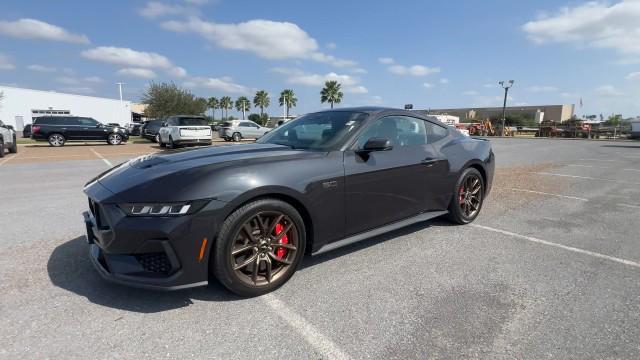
[(435, 132)]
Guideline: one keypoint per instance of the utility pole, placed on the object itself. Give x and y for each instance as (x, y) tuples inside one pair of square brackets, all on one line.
[(284, 108), (506, 87), (244, 106), (120, 89)]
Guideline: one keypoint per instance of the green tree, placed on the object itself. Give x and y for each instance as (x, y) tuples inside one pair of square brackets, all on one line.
[(331, 93), (261, 100), (226, 104), (167, 99), (213, 104), (290, 97), (243, 105), (255, 118)]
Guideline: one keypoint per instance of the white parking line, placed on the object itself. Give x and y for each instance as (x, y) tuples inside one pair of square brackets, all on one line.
[(549, 194), (560, 246), (102, 157), (588, 166), (327, 348), (630, 206), (638, 170), (586, 177)]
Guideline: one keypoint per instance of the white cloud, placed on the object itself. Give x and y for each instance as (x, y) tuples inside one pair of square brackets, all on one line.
[(470, 93), (224, 84), (569, 95), (197, 2), (428, 85), (265, 38), (633, 76), (36, 29), (415, 70), (5, 63), (331, 46), (356, 90), (359, 71), (155, 9), (542, 89), (376, 100), (41, 68), (489, 86), (296, 76), (133, 58), (386, 60), (93, 79), (608, 91), (444, 81), (595, 24), (137, 72), (79, 90), (67, 80)]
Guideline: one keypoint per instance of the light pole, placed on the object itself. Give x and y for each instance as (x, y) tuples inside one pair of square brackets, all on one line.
[(120, 89), (506, 86)]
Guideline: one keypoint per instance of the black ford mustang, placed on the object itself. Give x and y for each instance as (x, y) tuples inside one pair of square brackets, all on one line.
[(246, 214)]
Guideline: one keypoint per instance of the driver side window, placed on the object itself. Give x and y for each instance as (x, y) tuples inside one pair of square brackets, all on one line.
[(400, 130)]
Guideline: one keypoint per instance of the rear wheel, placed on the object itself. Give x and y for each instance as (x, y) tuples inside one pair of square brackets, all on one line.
[(114, 139), (171, 144), (56, 140), (14, 147), (237, 137), (259, 247), (467, 198)]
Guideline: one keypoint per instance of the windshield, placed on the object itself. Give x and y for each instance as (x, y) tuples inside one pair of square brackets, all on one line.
[(319, 131), (192, 122)]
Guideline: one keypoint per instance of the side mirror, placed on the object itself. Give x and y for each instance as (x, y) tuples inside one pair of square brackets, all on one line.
[(98, 125), (10, 127), (377, 144)]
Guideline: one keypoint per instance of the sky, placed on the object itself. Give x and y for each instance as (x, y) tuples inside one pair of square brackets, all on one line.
[(431, 54)]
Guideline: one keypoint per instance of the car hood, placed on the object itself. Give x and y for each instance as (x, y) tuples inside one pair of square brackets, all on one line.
[(177, 176)]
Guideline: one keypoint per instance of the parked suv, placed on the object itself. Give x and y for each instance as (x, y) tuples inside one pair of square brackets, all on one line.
[(7, 139), (150, 129), (184, 130), (57, 130), (237, 130), (134, 129)]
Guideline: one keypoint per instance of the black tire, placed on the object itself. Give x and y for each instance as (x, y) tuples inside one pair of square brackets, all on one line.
[(114, 139), (458, 210), (237, 137), (227, 139), (56, 140), (162, 145), (1, 148), (222, 261), (171, 144), (14, 147)]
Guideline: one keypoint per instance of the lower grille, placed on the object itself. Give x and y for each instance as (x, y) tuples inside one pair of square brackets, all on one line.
[(155, 262)]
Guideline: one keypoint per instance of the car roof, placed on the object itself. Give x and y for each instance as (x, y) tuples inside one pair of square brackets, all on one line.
[(375, 110)]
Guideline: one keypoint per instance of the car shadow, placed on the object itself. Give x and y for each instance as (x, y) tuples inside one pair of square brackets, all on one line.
[(622, 146), (70, 268)]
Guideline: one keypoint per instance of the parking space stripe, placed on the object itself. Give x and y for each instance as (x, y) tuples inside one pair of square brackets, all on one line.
[(638, 170), (102, 157), (586, 177), (599, 160), (549, 194), (630, 206), (560, 246), (327, 348)]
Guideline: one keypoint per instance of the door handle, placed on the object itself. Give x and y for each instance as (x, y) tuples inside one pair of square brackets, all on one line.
[(429, 161)]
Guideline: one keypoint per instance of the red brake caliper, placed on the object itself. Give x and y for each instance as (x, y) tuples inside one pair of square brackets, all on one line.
[(281, 252), (461, 194)]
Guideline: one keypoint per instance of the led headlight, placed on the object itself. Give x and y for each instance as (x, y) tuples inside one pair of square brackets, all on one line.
[(160, 209)]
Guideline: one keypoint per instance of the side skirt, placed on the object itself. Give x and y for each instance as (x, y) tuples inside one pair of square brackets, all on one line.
[(381, 230)]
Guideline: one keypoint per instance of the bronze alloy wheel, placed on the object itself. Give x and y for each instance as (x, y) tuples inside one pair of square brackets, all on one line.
[(264, 248), (470, 195)]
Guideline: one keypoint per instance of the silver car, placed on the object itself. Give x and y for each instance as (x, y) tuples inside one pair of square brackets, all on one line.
[(237, 130)]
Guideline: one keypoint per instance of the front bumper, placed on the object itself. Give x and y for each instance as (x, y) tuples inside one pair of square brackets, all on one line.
[(166, 253)]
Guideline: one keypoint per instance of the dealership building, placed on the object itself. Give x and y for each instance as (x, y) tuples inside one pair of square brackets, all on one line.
[(20, 107), (557, 113)]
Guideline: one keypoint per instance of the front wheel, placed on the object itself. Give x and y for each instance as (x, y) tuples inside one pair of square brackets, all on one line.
[(467, 197), (56, 140), (114, 139), (259, 247), (237, 137), (157, 139)]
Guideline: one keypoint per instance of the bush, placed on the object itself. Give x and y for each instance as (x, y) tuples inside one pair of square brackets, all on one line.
[(168, 99)]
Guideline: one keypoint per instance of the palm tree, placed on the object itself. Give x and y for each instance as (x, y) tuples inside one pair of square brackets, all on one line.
[(213, 104), (225, 104), (243, 104), (288, 98), (261, 100), (331, 93)]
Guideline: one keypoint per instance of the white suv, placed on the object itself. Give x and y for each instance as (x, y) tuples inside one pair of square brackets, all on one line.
[(7, 139), (237, 130), (184, 130)]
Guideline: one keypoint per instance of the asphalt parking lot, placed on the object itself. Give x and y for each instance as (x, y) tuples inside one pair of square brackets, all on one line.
[(550, 269)]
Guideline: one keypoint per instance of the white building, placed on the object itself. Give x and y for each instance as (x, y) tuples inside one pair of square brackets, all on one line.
[(20, 106), (446, 119)]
